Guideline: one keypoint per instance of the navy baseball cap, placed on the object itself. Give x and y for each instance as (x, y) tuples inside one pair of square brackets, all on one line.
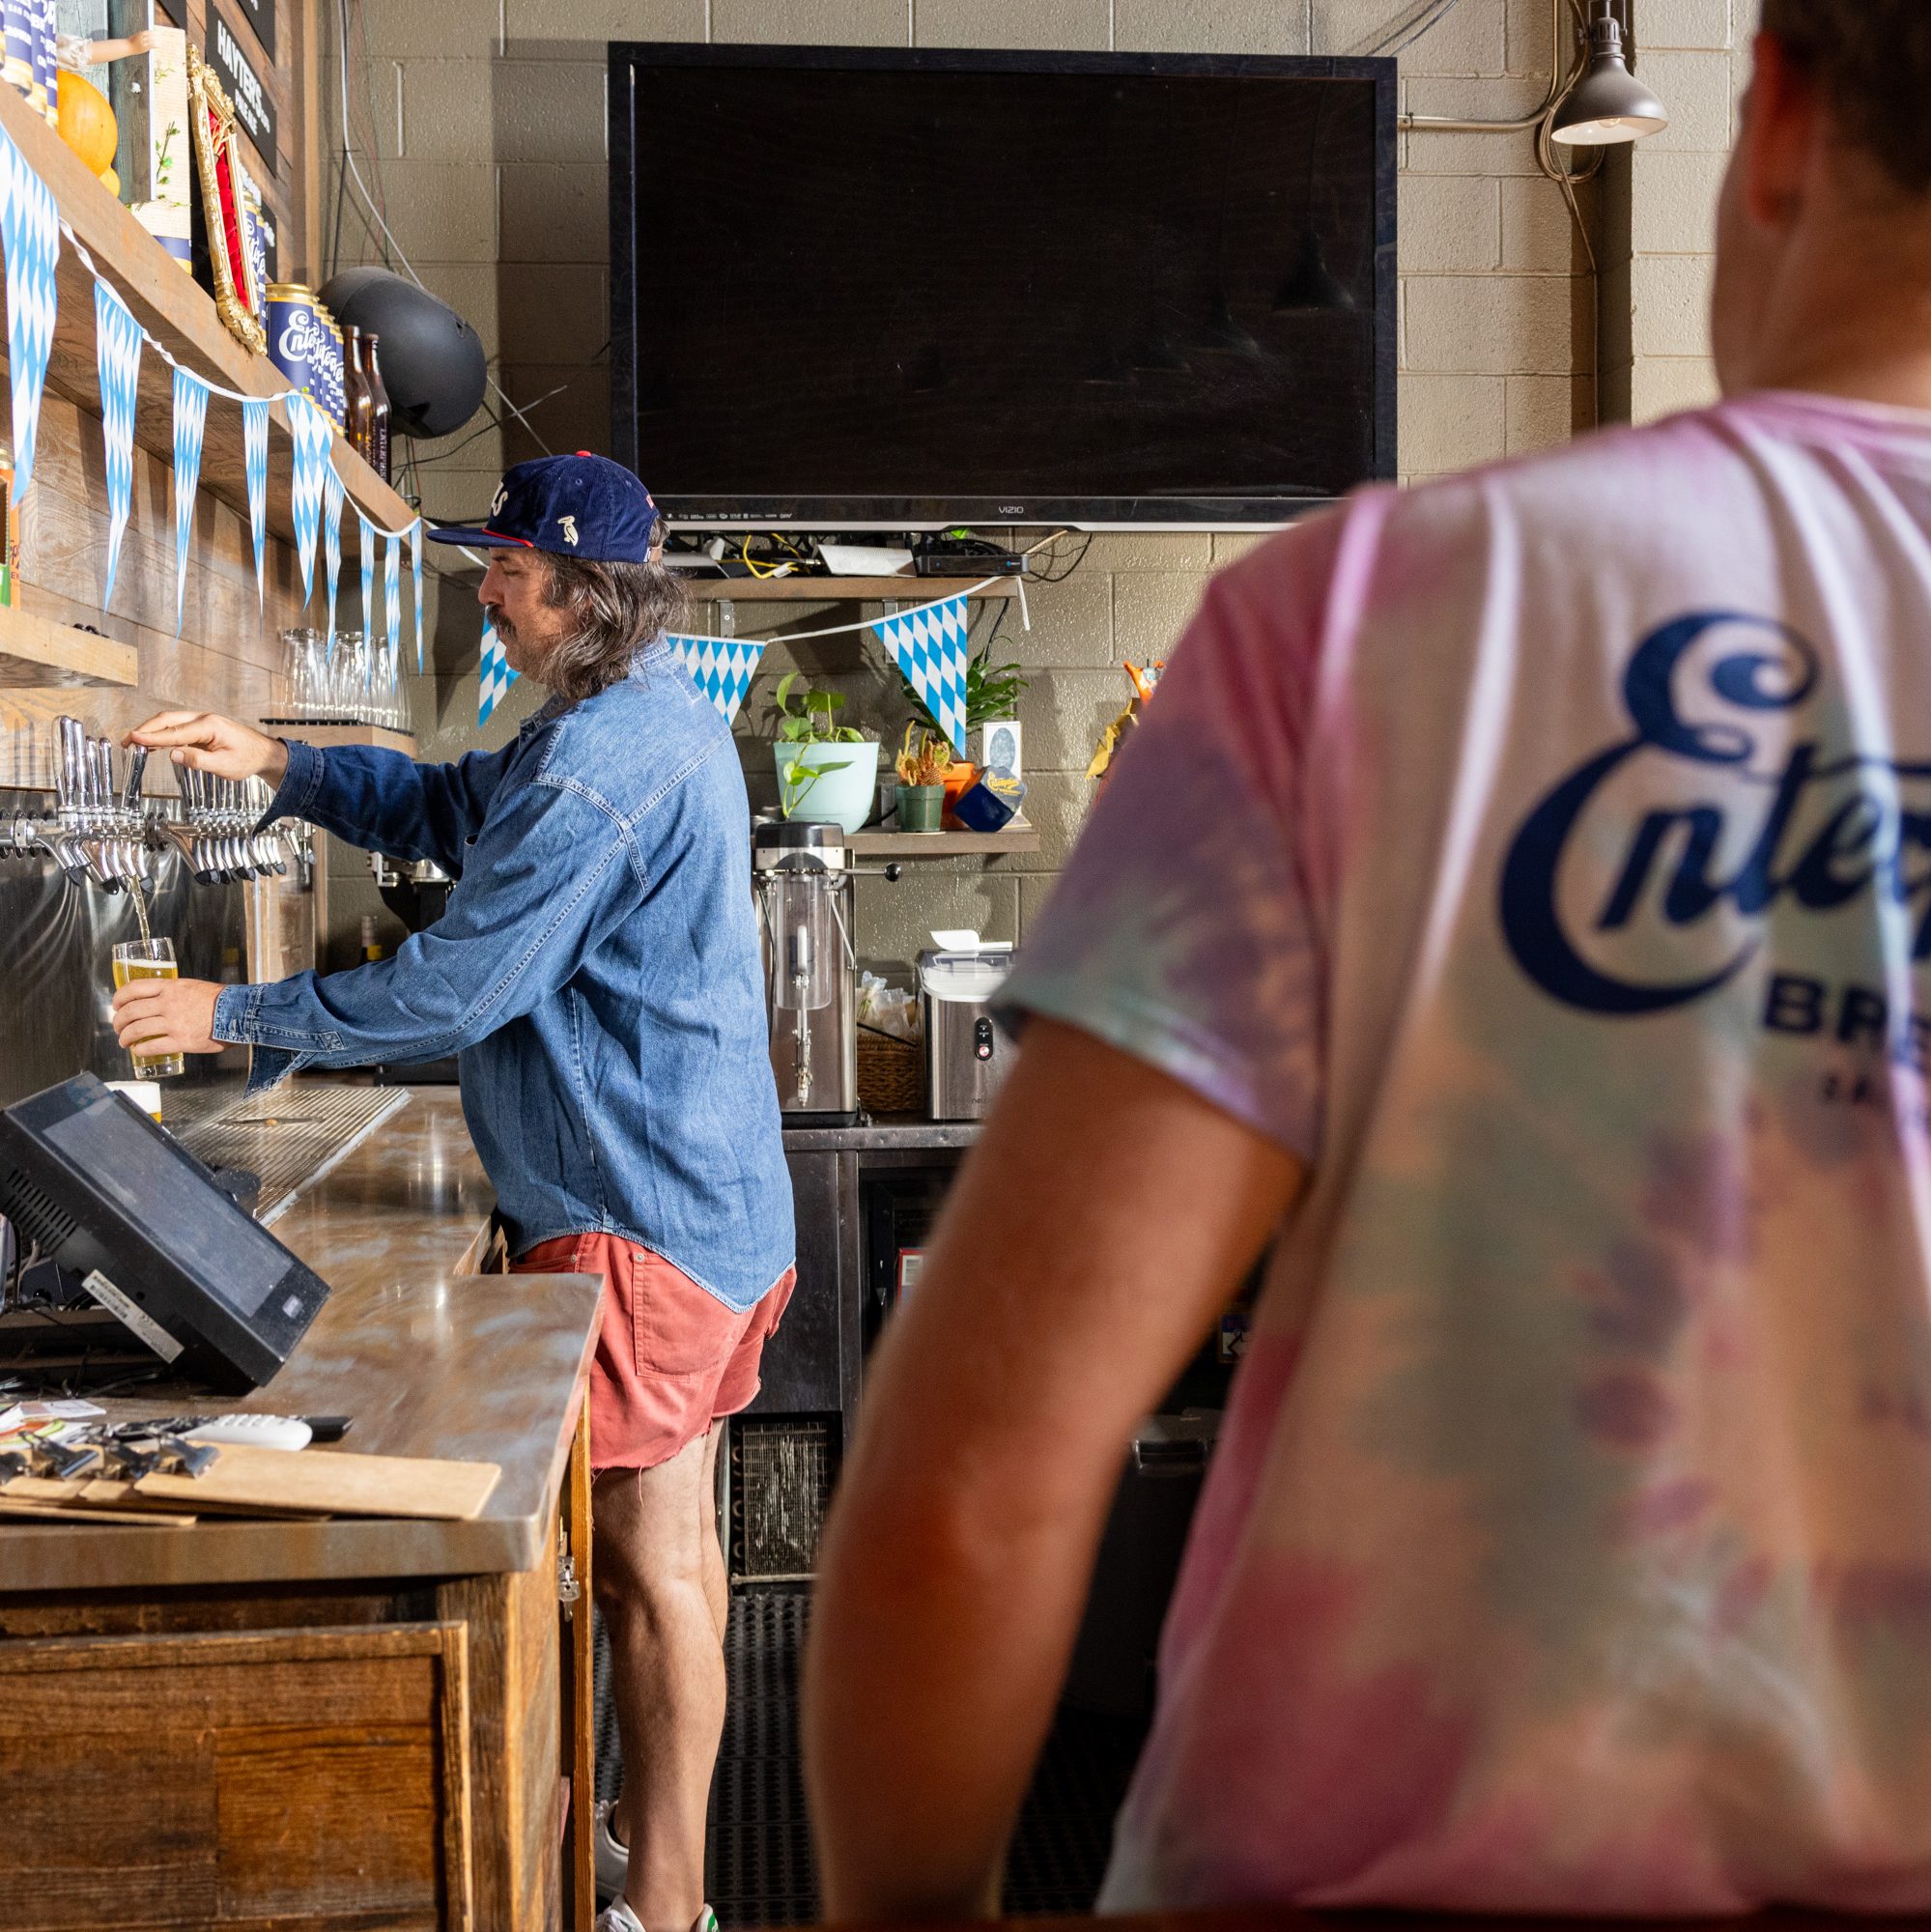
[(579, 505)]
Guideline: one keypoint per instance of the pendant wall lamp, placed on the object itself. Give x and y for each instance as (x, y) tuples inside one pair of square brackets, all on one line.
[(1597, 104)]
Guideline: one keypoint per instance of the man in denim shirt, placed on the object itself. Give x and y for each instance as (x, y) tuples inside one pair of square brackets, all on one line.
[(598, 974)]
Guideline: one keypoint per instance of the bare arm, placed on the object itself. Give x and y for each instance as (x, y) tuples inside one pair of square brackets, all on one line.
[(1104, 1221)]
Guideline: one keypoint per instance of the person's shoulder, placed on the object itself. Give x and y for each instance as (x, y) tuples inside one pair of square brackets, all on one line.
[(636, 739)]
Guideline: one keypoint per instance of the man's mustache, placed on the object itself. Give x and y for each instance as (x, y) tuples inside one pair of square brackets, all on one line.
[(499, 623)]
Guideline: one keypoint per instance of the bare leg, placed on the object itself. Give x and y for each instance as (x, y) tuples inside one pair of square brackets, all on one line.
[(653, 1529), (717, 1578)]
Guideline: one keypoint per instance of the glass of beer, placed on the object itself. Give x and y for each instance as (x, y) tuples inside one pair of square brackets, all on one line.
[(149, 959)]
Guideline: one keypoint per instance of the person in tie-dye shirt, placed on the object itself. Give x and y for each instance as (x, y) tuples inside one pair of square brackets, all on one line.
[(1519, 902)]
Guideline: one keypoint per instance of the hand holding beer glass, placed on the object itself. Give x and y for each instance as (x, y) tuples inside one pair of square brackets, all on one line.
[(149, 959)]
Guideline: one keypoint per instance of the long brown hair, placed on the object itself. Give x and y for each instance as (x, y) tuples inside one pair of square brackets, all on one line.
[(618, 609)]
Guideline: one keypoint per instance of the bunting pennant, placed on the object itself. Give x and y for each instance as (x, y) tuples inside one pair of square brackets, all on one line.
[(929, 646), (365, 538), (312, 433), (392, 594), (117, 359), (416, 571), (497, 676), (30, 234), (255, 455), (721, 667), (191, 422), (332, 541)]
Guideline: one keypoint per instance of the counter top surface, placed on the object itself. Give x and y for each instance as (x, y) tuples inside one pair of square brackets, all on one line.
[(886, 1130), (429, 1358)]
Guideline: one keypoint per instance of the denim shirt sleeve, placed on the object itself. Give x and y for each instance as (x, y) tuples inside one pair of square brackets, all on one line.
[(549, 878), (388, 803)]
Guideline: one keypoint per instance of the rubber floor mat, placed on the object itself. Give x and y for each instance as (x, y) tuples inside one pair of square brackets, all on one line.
[(759, 1863)]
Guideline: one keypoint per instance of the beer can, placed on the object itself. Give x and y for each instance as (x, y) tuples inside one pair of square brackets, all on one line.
[(295, 337), (16, 20), (338, 376), (50, 59)]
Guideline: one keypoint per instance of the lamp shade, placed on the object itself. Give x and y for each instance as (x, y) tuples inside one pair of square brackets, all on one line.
[(1609, 104)]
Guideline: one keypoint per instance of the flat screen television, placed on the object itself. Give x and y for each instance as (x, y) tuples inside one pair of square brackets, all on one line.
[(870, 289)]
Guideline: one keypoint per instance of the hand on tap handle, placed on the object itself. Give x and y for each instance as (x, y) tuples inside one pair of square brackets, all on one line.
[(204, 740)]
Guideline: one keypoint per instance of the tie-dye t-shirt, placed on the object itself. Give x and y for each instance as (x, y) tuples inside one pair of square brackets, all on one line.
[(1545, 857)]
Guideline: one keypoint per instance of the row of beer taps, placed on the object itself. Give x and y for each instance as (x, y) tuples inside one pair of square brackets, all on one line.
[(106, 833)]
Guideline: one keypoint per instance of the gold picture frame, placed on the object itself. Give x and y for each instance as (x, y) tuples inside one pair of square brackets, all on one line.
[(238, 299)]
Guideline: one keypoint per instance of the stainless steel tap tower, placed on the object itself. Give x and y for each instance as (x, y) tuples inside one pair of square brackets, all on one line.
[(105, 833)]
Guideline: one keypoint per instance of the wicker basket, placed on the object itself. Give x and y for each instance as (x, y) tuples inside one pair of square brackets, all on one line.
[(891, 1074)]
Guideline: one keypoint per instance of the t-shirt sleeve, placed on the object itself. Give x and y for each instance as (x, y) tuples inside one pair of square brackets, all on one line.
[(1182, 930)]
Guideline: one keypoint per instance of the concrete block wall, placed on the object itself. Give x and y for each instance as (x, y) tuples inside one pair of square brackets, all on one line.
[(1662, 217), (480, 125)]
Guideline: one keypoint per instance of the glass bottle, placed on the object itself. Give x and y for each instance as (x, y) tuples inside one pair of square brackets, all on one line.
[(9, 551), (377, 452), (358, 410)]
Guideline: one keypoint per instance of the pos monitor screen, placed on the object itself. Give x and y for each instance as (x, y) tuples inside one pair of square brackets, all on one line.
[(96, 1186)]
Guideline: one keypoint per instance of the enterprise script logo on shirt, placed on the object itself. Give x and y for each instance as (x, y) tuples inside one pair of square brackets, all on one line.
[(1822, 834)]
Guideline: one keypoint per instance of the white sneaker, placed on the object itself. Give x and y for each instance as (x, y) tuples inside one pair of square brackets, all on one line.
[(613, 1856), (621, 1919)]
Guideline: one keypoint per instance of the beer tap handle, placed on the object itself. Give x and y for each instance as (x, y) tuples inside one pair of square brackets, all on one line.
[(132, 800), (66, 774), (110, 789)]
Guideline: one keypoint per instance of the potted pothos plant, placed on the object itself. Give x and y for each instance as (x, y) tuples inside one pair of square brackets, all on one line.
[(827, 772), (991, 690), (924, 759)]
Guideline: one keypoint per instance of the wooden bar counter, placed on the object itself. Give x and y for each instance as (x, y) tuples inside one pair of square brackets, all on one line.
[(345, 1722)]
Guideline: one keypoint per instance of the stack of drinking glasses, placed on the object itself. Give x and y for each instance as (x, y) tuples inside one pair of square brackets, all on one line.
[(342, 677)]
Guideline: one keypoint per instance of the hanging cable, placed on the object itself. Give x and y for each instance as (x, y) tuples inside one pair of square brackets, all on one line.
[(368, 201)]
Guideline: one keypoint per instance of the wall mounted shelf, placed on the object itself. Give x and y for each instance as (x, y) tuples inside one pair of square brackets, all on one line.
[(839, 589), (37, 652), (325, 737), (173, 308), (883, 844)]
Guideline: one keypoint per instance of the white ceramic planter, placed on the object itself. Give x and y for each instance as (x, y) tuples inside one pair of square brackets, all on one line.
[(842, 792)]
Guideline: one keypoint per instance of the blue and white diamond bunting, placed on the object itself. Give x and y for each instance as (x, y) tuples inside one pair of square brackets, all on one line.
[(497, 676), (929, 645), (392, 593), (190, 423), (255, 456), (721, 667), (311, 431), (416, 571), (30, 234), (332, 541), (365, 555), (117, 357)]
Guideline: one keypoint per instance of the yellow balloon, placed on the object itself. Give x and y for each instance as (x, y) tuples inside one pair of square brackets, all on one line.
[(110, 180), (86, 121)]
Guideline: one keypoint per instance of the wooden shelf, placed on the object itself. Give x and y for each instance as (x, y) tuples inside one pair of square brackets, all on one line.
[(1016, 838), (836, 589), (179, 314), (325, 736), (36, 652)]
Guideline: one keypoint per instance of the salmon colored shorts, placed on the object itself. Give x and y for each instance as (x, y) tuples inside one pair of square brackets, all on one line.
[(672, 1360)]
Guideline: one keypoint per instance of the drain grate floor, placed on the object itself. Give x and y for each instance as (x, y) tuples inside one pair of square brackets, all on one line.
[(287, 1138), (759, 1865)]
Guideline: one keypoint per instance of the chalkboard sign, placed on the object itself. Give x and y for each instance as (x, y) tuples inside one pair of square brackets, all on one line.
[(177, 12), (254, 105), (260, 14)]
